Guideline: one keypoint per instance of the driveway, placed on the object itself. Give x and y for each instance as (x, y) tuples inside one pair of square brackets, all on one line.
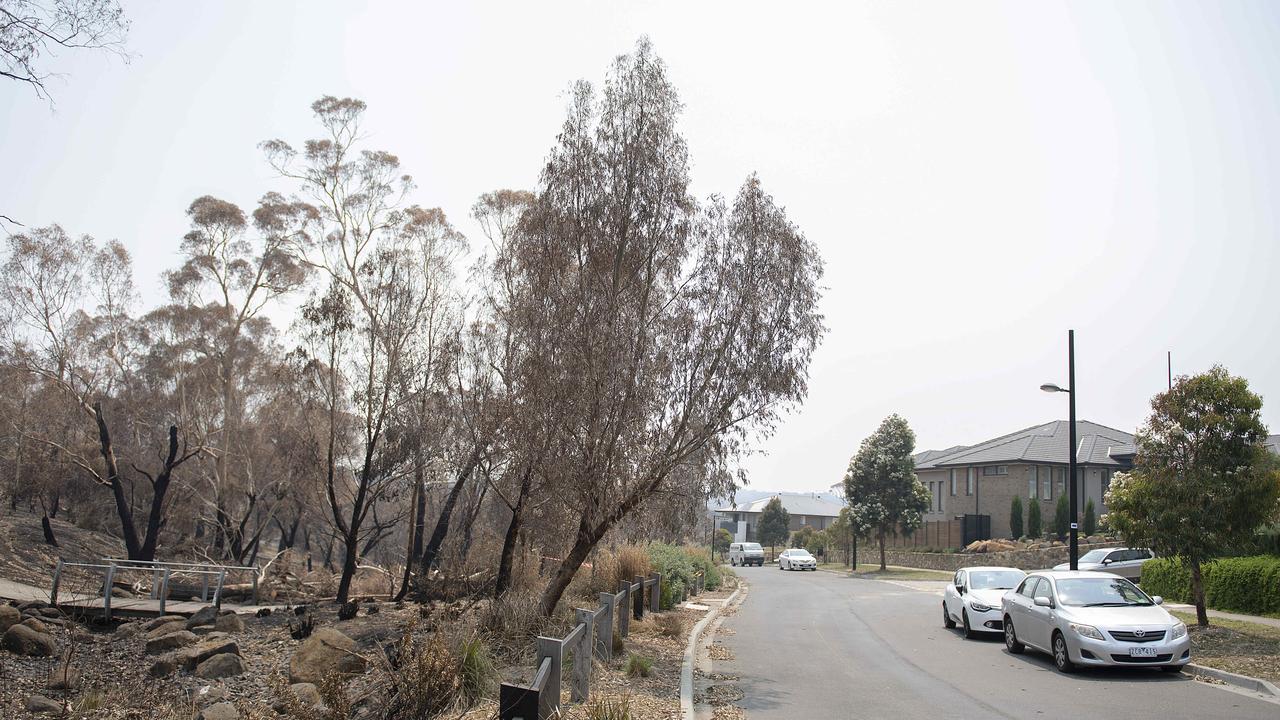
[(821, 645)]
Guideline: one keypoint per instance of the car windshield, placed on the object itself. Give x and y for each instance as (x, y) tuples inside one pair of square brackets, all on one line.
[(995, 579), (1094, 556), (750, 546), (800, 554), (1100, 592)]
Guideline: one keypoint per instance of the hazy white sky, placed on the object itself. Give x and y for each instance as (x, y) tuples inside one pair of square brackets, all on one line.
[(979, 176)]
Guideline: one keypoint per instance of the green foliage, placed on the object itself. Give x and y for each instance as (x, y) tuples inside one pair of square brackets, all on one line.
[(881, 485), (1240, 584), (804, 538), (1202, 482), (678, 565), (639, 666), (1015, 517), (840, 533), (1090, 518), (711, 572), (1062, 517), (478, 672), (774, 523), (721, 540), (1033, 519)]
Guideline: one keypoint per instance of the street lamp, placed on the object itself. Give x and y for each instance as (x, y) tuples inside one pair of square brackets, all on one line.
[(1070, 390)]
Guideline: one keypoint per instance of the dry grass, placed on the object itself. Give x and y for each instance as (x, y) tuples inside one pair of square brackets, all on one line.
[(671, 625), (630, 561), (1235, 646)]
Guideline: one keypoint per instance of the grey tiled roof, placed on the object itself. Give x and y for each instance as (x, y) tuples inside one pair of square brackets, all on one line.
[(1095, 445), (795, 503)]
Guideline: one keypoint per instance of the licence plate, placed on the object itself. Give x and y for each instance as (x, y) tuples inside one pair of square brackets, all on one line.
[(1142, 652)]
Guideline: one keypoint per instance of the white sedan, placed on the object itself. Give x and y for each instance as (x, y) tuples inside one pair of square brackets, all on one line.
[(797, 559), (973, 598)]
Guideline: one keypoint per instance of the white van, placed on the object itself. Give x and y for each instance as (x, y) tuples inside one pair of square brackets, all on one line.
[(746, 554)]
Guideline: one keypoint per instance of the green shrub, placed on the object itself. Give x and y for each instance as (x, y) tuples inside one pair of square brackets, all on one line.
[(478, 673), (1090, 519), (1241, 584), (1062, 517), (639, 666), (678, 565), (1033, 518), (701, 560), (1015, 517)]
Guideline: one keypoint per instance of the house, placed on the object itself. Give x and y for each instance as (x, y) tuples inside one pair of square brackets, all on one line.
[(812, 509), (982, 479)]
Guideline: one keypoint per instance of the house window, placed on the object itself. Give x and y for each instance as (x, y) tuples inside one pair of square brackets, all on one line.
[(1046, 490), (953, 481), (1106, 484), (969, 479), (939, 496), (1033, 478), (1062, 481), (995, 470)]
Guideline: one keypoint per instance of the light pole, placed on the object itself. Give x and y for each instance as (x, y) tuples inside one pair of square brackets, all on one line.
[(1070, 389)]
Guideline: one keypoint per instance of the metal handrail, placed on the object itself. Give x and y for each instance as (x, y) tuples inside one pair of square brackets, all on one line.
[(160, 591)]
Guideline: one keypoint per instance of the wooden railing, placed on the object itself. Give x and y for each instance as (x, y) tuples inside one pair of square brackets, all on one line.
[(592, 635), (161, 574)]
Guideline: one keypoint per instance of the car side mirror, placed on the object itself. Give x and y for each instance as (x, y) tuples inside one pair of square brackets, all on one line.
[(1106, 561), (1043, 602), (1157, 599)]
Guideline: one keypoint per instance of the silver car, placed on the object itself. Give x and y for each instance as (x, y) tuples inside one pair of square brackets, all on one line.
[(1125, 562), (797, 559), (1093, 619)]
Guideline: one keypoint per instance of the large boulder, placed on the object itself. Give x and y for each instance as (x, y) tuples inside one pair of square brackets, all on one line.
[(219, 711), (229, 623), (36, 625), (220, 666), (193, 656), (172, 641), (9, 616), (165, 629), (22, 640), (204, 616), (39, 704), (154, 623), (326, 651)]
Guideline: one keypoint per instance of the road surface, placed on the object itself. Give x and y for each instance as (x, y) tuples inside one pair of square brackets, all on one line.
[(822, 645)]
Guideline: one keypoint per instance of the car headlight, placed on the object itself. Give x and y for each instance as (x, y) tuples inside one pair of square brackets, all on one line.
[(980, 608), (1088, 631), (1178, 631)]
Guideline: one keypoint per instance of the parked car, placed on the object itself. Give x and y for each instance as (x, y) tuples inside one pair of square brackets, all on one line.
[(1125, 562), (973, 598), (797, 559), (746, 554), (1093, 619)]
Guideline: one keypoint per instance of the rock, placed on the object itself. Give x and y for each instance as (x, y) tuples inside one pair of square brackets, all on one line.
[(22, 640), (219, 711), (202, 629), (165, 629), (220, 666), (128, 630), (36, 625), (216, 635), (210, 694), (165, 665), (306, 694), (172, 641), (63, 678), (204, 616), (42, 704), (9, 616), (192, 657), (229, 623), (326, 651), (50, 612), (162, 620)]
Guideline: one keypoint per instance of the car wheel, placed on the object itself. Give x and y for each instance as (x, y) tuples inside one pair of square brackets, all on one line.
[(1060, 656), (947, 622), (968, 631), (1173, 668), (1011, 638)]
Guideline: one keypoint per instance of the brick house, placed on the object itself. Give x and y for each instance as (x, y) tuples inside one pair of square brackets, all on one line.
[(982, 479), (804, 509)]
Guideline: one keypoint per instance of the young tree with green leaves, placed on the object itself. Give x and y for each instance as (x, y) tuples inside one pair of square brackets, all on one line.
[(1202, 481), (1034, 530), (1090, 519), (1062, 517), (840, 534), (881, 484), (1015, 517), (721, 540), (774, 527)]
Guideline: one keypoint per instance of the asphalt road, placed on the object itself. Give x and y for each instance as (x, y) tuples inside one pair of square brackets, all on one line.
[(821, 645)]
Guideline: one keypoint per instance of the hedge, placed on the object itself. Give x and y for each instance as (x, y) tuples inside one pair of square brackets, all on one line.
[(1241, 584)]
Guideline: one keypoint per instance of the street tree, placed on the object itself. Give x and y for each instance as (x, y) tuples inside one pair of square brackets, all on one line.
[(721, 540), (1090, 518), (1203, 481), (881, 484), (773, 528)]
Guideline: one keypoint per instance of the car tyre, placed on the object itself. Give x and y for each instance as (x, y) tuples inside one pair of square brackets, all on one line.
[(947, 622), (968, 631), (1062, 658), (1173, 668), (1011, 638)]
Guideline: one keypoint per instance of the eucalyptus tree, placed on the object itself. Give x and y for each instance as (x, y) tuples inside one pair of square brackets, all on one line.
[(881, 486)]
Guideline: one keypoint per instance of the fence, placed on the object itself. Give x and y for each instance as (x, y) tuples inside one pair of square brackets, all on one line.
[(592, 635), (161, 574)]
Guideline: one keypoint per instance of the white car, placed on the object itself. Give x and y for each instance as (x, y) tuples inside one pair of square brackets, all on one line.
[(797, 559), (973, 598), (1125, 562), (1093, 619)]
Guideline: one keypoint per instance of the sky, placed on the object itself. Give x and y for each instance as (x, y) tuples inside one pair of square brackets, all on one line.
[(979, 177)]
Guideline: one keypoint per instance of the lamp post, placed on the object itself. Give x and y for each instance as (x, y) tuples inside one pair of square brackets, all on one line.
[(1070, 389)]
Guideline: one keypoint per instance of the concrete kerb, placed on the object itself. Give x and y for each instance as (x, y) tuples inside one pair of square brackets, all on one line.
[(691, 656), (1252, 684)]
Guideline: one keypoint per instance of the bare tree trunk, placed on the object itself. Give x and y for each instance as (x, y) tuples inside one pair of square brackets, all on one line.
[(503, 581), (431, 555), (880, 537), (409, 556), (123, 510), (159, 488), (1197, 591)]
